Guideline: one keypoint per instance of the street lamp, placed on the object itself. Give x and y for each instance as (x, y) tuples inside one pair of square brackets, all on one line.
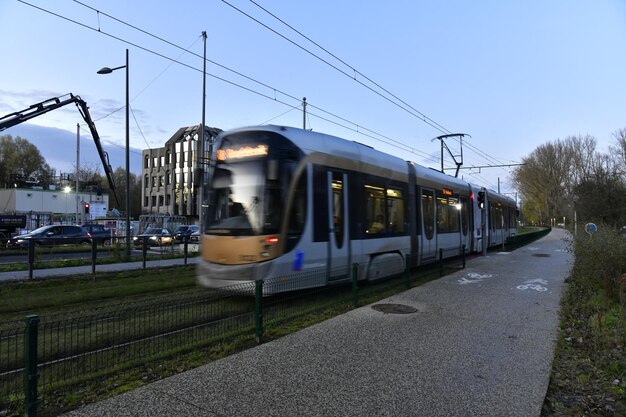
[(67, 189), (107, 70)]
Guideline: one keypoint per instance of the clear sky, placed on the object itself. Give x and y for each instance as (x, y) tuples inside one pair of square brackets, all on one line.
[(512, 74)]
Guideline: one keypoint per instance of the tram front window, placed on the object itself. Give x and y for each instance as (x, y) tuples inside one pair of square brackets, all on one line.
[(244, 200)]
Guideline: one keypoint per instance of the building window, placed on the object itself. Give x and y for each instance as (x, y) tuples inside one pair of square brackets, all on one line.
[(168, 158), (167, 199), (145, 201), (154, 181), (153, 200), (160, 200), (145, 181), (161, 181)]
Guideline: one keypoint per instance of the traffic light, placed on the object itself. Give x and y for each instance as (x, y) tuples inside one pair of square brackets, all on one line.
[(86, 207), (481, 199)]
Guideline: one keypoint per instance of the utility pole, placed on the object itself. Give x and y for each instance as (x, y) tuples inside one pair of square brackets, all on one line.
[(202, 138), (303, 112), (77, 172)]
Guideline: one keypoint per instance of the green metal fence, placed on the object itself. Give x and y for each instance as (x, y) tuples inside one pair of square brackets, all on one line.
[(57, 352)]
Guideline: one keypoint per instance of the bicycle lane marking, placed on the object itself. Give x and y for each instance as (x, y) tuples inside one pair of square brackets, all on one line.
[(473, 278), (534, 284)]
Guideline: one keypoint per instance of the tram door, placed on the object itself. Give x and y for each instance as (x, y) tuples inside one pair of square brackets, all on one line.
[(429, 235), (338, 239)]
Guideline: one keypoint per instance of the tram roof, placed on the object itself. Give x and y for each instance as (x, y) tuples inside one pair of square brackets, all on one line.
[(310, 142)]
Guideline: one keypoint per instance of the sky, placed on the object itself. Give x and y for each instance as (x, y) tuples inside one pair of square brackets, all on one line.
[(512, 75)]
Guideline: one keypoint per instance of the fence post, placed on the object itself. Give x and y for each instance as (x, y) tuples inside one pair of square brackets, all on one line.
[(185, 247), (94, 255), (31, 258), (258, 311), (144, 250), (407, 271), (30, 365), (440, 262), (463, 255), (355, 285)]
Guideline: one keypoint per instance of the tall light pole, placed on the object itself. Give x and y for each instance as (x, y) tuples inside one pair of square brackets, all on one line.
[(107, 70)]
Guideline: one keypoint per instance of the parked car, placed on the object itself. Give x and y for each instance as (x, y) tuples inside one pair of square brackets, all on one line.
[(192, 231), (155, 236), (98, 233), (51, 236)]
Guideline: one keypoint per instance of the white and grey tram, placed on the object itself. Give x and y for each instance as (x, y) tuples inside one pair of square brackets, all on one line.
[(285, 201)]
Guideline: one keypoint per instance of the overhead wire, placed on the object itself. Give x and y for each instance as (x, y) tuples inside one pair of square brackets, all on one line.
[(357, 128), (355, 71), (476, 150), (422, 118), (99, 30)]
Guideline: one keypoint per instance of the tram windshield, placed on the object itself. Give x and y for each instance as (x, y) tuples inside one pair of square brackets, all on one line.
[(249, 188)]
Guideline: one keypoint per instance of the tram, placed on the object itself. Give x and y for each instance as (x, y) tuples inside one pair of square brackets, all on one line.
[(287, 202)]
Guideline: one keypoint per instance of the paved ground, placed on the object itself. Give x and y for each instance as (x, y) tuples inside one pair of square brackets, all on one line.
[(480, 344)]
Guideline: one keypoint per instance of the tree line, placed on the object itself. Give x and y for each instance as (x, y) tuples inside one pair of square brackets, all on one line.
[(571, 177), (21, 163)]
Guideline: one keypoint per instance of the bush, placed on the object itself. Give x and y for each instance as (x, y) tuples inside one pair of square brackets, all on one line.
[(601, 263)]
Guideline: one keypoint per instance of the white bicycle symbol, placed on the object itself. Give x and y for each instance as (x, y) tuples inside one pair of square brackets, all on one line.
[(476, 275), (532, 287)]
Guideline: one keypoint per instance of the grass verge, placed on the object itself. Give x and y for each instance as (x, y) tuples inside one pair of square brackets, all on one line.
[(589, 370)]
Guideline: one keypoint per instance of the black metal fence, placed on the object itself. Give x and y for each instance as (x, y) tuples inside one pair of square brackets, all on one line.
[(33, 256), (42, 355)]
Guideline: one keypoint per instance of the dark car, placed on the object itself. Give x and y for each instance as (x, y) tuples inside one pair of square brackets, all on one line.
[(191, 231), (154, 236), (101, 235), (51, 236)]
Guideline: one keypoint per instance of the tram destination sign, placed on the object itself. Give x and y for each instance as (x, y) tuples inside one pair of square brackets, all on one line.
[(242, 152)]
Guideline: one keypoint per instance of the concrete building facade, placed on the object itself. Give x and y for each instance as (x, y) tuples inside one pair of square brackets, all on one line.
[(172, 175)]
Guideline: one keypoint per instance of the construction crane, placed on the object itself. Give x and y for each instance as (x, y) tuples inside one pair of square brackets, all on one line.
[(52, 104)]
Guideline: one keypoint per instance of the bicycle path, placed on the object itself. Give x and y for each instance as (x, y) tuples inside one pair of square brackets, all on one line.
[(480, 343)]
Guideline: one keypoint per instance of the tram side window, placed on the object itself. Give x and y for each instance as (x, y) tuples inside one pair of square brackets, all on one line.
[(375, 216), (428, 209), (297, 212), (395, 205), (320, 204), (338, 220), (448, 213), (384, 211), (464, 215)]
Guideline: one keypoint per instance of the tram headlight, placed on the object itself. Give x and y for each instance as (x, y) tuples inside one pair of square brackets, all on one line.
[(269, 242)]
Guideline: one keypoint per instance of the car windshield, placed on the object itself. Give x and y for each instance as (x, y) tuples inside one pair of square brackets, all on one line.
[(153, 231), (182, 229)]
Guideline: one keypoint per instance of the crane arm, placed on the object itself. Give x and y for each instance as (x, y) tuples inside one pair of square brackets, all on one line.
[(54, 103)]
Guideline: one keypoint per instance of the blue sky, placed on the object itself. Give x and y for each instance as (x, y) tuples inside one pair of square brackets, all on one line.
[(512, 74)]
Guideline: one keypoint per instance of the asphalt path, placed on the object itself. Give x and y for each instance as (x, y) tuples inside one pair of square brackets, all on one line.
[(479, 343)]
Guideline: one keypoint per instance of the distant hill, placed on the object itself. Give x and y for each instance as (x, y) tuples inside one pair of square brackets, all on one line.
[(58, 147)]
